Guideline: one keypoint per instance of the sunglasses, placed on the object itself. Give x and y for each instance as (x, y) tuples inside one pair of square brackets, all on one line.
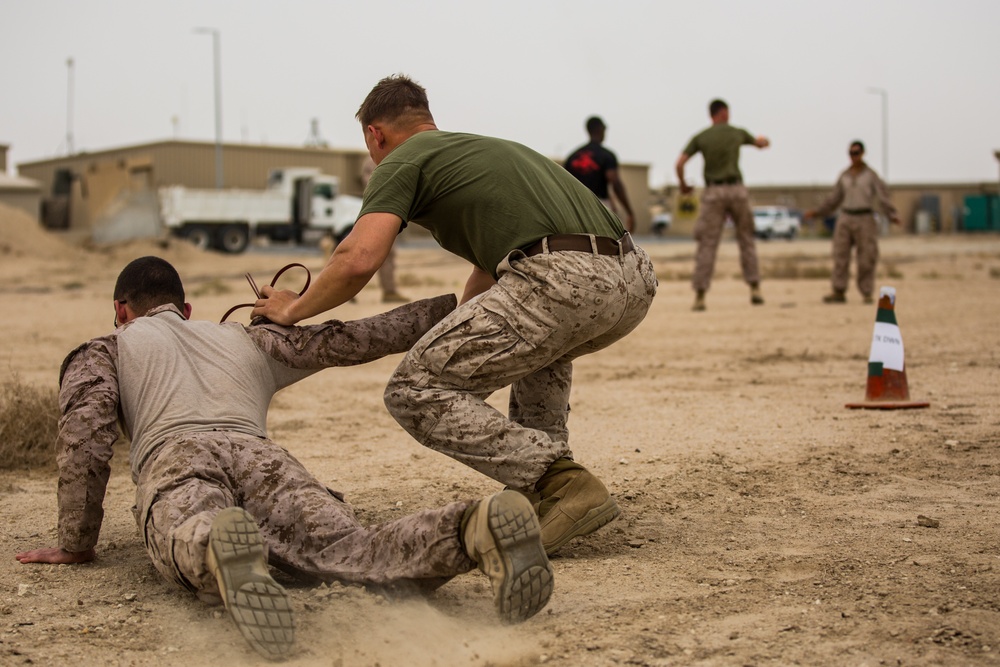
[(855, 152)]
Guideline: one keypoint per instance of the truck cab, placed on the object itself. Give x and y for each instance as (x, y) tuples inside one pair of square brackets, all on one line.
[(320, 209)]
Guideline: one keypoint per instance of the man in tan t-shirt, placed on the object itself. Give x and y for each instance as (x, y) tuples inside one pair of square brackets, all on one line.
[(857, 189)]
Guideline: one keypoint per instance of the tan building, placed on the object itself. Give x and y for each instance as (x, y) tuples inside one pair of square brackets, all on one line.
[(923, 207), (17, 192), (192, 164), (89, 179)]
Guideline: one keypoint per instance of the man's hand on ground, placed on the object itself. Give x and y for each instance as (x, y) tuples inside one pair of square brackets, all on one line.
[(56, 556)]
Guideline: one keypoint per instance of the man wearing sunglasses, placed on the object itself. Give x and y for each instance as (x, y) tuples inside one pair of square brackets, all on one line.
[(217, 500), (857, 191)]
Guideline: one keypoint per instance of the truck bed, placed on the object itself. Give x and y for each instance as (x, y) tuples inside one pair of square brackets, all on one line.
[(180, 205)]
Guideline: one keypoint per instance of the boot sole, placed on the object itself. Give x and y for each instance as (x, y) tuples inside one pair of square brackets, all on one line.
[(257, 604), (596, 518), (527, 583)]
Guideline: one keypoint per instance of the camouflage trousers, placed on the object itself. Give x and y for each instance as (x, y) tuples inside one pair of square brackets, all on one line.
[(860, 231), (309, 531), (524, 332), (717, 203)]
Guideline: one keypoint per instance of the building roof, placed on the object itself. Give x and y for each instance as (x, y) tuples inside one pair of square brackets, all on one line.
[(183, 142), (17, 183)]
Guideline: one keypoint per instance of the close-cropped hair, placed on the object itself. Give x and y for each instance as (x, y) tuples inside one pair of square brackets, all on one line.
[(148, 282), (395, 98), (857, 144), (716, 106)]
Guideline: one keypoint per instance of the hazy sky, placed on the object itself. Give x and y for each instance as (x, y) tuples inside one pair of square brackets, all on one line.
[(528, 70)]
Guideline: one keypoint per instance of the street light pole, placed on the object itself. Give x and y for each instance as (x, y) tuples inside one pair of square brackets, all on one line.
[(216, 57), (885, 129), (69, 106)]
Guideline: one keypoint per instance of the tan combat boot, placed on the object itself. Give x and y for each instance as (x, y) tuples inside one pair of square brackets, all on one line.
[(501, 534), (572, 503), (257, 603), (836, 296), (394, 297), (699, 301), (756, 298)]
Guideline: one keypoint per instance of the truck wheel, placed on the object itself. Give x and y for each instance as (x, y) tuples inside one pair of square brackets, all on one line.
[(234, 238), (200, 236)]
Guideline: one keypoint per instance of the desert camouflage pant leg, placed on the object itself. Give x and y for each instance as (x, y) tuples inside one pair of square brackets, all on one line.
[(524, 332), (860, 231), (717, 203), (387, 272), (306, 528)]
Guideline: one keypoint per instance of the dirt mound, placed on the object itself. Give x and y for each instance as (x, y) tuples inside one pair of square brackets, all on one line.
[(23, 236)]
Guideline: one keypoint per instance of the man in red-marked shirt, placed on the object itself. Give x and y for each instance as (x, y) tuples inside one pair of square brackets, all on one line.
[(596, 167)]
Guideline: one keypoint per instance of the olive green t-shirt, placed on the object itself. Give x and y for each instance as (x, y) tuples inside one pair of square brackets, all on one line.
[(720, 146), (482, 197)]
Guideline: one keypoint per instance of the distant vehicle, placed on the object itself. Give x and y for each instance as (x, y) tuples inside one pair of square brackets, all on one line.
[(299, 204), (775, 221), (661, 223)]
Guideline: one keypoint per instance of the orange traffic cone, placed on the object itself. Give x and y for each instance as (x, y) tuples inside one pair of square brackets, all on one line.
[(887, 388)]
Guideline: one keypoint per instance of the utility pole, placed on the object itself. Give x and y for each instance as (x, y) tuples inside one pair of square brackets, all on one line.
[(69, 107), (216, 58), (885, 130)]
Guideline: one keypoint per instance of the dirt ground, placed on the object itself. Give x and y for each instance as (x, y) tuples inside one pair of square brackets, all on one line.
[(763, 523)]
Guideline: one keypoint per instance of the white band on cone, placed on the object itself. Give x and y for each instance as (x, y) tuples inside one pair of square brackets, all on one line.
[(887, 346)]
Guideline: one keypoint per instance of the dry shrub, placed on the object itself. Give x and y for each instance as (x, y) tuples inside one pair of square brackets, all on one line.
[(891, 271), (212, 287), (794, 269), (412, 280), (29, 421)]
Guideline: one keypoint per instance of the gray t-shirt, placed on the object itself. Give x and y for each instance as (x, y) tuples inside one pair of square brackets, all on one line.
[(178, 376)]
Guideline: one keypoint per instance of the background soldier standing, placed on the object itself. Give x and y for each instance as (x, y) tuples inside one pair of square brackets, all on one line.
[(386, 272), (724, 195), (597, 168), (856, 190)]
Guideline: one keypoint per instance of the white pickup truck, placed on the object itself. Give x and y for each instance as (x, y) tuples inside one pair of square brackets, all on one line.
[(775, 221), (299, 204)]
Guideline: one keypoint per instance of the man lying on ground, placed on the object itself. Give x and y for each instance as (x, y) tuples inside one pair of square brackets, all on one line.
[(217, 500)]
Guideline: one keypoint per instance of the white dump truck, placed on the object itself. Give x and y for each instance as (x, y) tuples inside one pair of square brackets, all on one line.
[(300, 204)]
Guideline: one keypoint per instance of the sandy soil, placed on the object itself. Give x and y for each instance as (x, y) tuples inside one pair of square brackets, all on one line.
[(762, 522)]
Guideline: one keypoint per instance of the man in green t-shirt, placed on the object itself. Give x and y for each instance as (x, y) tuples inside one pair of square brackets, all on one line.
[(554, 276), (724, 196)]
